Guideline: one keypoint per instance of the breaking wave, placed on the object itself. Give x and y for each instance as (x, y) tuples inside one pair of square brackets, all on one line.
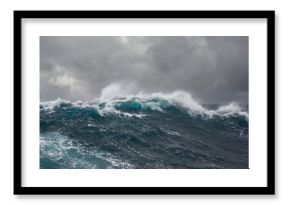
[(158, 130), (130, 105)]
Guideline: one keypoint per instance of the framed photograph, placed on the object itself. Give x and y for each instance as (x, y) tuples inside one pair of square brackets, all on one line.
[(144, 102)]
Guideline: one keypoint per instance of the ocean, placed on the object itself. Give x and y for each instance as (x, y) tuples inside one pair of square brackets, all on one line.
[(156, 131)]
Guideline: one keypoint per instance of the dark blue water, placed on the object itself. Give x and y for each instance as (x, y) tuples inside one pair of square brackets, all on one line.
[(152, 133)]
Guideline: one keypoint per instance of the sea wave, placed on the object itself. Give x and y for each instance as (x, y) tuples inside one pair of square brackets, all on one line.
[(65, 152), (136, 105), (158, 130)]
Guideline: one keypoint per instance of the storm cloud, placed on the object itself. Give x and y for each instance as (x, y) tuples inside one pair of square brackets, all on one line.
[(212, 69)]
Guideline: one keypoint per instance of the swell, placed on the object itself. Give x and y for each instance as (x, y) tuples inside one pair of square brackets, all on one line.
[(157, 131), (137, 105)]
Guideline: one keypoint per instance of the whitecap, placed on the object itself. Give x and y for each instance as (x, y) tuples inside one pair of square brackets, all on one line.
[(115, 94)]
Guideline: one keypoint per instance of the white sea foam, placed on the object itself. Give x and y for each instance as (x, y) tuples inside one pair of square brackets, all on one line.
[(110, 109), (60, 148), (115, 94), (231, 109), (115, 90), (152, 106), (183, 99), (50, 105)]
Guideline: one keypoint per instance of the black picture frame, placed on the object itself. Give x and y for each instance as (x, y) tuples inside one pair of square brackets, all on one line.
[(268, 190)]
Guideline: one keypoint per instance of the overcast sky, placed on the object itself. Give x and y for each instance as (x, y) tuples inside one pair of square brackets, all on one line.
[(211, 69)]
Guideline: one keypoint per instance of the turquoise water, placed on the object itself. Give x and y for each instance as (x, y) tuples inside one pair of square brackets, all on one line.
[(135, 133)]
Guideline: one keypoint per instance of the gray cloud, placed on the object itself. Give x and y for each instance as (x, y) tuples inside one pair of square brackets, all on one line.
[(212, 69)]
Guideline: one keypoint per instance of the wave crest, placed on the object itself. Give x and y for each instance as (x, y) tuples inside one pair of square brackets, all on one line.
[(231, 109), (121, 104)]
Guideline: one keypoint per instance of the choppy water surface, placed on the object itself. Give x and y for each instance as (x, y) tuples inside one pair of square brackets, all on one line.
[(155, 131)]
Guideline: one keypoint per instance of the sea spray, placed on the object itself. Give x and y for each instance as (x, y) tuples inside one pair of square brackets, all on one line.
[(156, 131)]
